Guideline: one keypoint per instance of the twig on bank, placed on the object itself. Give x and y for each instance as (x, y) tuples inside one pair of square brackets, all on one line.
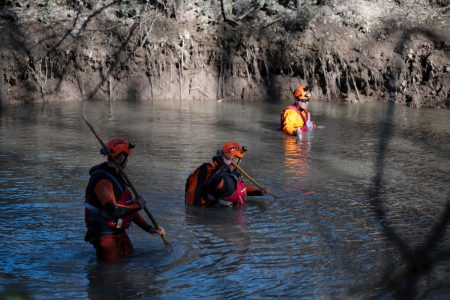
[(273, 22), (200, 90), (225, 18), (354, 84), (248, 12), (40, 75)]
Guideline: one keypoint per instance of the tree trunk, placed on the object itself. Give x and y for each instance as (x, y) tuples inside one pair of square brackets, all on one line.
[(3, 100), (299, 6)]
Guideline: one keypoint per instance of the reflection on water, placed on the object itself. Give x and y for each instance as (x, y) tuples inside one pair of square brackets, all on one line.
[(297, 164), (321, 239)]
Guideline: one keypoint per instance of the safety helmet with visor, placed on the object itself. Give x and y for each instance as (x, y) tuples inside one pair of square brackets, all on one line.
[(117, 145), (301, 94), (233, 149)]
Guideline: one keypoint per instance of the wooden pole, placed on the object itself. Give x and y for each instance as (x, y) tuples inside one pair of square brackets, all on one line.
[(251, 179)]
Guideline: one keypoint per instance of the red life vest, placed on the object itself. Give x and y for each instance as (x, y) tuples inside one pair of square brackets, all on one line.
[(194, 192), (239, 196), (97, 218)]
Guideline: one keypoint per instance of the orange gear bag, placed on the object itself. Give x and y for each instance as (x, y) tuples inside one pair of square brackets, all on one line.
[(195, 185)]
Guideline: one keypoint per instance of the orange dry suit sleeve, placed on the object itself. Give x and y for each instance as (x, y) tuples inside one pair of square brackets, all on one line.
[(104, 190), (252, 191), (139, 221)]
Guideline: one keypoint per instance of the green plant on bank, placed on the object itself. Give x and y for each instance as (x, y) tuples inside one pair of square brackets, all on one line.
[(239, 7), (10, 15), (440, 2), (270, 3), (236, 7), (43, 15), (10, 2), (299, 23), (127, 10), (76, 4), (307, 15), (42, 3), (191, 3), (202, 4), (228, 9)]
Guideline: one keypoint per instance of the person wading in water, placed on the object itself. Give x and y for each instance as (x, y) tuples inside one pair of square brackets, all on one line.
[(110, 207), (296, 118), (219, 183)]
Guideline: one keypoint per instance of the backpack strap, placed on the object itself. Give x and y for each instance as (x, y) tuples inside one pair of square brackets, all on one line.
[(195, 193), (201, 179)]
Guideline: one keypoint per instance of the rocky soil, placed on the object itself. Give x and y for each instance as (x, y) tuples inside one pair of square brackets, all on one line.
[(354, 50)]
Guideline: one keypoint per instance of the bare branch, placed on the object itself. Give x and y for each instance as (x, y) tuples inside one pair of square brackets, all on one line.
[(225, 18)]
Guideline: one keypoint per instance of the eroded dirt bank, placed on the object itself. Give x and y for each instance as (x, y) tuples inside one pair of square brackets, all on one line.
[(352, 50)]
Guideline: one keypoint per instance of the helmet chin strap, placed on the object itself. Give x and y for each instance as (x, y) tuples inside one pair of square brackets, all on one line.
[(121, 158), (124, 161), (234, 161)]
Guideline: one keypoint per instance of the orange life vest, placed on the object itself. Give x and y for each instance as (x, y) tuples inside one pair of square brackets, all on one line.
[(97, 218), (293, 117), (195, 185)]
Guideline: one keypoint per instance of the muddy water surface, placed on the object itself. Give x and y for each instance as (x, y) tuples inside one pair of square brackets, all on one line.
[(357, 215)]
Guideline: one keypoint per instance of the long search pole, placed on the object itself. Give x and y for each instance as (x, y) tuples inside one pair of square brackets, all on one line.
[(124, 175), (251, 179)]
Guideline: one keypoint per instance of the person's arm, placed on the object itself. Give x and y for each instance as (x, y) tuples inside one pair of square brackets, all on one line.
[(139, 221), (220, 184), (104, 190), (252, 191)]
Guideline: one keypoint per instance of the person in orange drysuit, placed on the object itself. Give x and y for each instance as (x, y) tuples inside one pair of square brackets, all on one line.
[(110, 207), (226, 186), (219, 183), (296, 118)]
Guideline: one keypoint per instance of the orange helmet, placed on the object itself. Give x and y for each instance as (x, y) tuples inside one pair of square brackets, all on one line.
[(117, 145), (233, 149), (301, 93)]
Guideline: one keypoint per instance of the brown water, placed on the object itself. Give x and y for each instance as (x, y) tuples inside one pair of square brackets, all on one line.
[(358, 214)]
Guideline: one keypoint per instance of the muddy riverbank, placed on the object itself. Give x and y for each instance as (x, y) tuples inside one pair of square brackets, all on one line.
[(354, 51)]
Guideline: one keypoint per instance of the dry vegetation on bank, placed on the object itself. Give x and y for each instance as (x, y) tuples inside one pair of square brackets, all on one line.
[(354, 50)]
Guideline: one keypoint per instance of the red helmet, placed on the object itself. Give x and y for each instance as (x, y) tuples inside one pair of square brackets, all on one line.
[(233, 149), (301, 93), (117, 145)]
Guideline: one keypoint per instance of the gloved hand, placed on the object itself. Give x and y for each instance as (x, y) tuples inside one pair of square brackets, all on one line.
[(141, 202), (159, 231), (309, 123)]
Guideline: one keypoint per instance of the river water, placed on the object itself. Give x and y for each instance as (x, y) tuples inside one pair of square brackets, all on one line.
[(361, 211)]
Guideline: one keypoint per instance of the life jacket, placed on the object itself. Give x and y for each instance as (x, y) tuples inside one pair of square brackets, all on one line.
[(302, 113), (194, 192), (239, 197), (97, 218)]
